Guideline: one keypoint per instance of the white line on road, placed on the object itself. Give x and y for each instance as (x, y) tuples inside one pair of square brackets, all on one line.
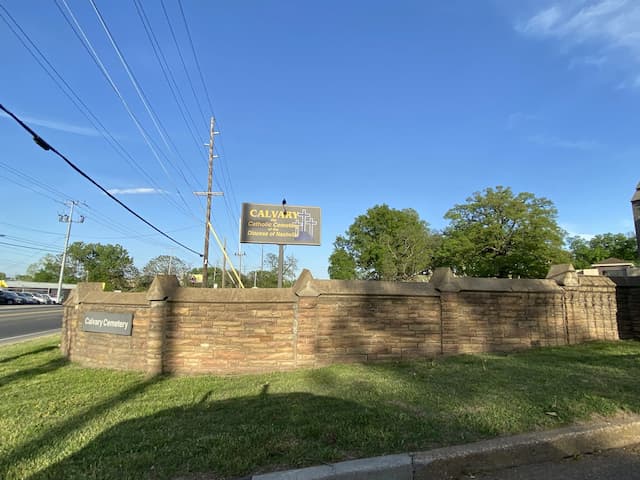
[(29, 335)]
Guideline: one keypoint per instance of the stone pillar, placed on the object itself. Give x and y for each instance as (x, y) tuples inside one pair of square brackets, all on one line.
[(445, 282), (305, 321), (159, 296), (635, 205)]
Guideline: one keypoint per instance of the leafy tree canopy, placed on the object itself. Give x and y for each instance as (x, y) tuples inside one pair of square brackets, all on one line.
[(585, 253), (47, 269), (342, 266), (163, 265), (95, 262), (289, 270), (383, 244), (499, 234)]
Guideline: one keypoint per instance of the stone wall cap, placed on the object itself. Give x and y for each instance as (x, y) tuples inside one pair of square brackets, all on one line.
[(84, 290), (374, 287), (506, 284), (596, 281), (234, 295), (162, 288), (115, 298), (444, 280), (564, 274)]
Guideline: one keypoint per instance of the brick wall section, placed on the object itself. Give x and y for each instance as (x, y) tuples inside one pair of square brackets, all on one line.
[(222, 334), (370, 321), (628, 300), (489, 322), (103, 350), (319, 322), (590, 308)]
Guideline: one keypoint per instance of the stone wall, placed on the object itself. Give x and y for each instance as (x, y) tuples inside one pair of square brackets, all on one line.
[(628, 301), (319, 322)]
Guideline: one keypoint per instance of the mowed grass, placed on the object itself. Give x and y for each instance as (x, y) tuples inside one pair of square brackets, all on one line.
[(59, 420)]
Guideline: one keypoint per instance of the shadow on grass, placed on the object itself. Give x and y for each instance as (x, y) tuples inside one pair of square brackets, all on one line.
[(31, 449), (230, 438), (31, 352), (29, 373), (368, 410)]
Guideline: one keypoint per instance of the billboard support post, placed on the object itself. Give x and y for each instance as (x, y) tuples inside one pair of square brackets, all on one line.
[(280, 225), (280, 264)]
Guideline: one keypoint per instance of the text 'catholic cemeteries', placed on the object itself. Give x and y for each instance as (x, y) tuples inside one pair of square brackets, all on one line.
[(280, 224)]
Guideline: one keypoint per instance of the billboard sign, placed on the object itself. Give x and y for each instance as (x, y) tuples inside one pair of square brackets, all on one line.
[(280, 224)]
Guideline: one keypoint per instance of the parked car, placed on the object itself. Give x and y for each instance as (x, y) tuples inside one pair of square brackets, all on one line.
[(28, 298), (43, 298), (10, 298)]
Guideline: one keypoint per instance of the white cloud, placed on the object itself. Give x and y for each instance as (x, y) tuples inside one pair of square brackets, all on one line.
[(550, 141), (56, 125), (517, 119), (134, 191), (588, 61), (606, 29), (543, 22), (584, 236)]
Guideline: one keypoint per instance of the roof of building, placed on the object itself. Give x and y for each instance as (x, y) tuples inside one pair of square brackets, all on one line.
[(613, 262), (50, 285)]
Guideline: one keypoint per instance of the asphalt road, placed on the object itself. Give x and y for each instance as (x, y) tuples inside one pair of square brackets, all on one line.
[(19, 322), (617, 464)]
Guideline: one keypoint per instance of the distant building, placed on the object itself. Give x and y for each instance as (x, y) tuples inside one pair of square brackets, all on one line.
[(612, 267), (50, 288)]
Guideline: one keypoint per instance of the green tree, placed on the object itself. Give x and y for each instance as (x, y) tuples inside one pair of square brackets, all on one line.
[(383, 244), (585, 253), (3, 276), (47, 269), (499, 234), (95, 262), (163, 265), (289, 269), (342, 266)]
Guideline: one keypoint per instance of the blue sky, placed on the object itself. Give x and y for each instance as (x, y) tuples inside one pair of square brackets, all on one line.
[(338, 104)]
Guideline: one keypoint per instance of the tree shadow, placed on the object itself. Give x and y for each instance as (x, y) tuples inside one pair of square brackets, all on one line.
[(32, 448), (31, 352), (22, 375), (216, 439)]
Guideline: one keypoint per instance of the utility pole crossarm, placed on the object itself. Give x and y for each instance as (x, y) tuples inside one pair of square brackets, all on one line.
[(68, 219)]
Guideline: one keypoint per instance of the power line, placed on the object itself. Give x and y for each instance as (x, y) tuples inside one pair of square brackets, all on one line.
[(36, 182), (26, 241), (226, 184), (29, 248), (69, 92), (143, 97), (46, 146), (184, 65), (195, 57), (168, 75), (145, 135), (27, 228)]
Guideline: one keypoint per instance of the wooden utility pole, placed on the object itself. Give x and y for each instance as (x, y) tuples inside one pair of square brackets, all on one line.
[(224, 263), (68, 219), (209, 194)]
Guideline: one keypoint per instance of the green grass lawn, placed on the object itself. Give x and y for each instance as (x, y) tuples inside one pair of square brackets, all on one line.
[(58, 420)]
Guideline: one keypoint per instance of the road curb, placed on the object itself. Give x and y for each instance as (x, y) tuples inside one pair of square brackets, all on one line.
[(480, 456)]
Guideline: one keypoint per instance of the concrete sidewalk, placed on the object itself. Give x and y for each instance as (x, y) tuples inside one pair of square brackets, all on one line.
[(488, 455)]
